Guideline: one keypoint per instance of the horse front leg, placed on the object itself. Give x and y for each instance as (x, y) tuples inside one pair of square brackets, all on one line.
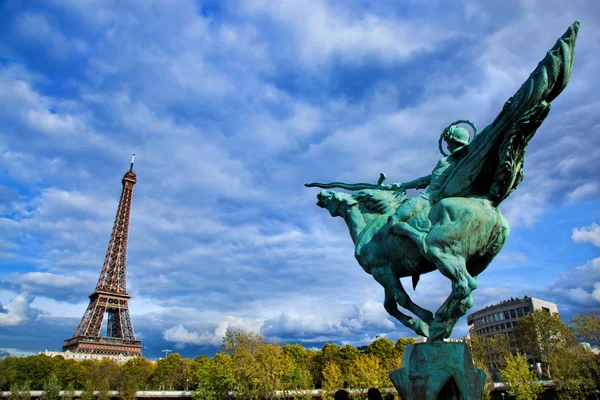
[(396, 295)]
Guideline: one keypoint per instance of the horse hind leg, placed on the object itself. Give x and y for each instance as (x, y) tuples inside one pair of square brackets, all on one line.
[(391, 307), (459, 301), (393, 287)]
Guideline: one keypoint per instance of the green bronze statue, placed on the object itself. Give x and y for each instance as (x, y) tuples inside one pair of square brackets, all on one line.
[(454, 224)]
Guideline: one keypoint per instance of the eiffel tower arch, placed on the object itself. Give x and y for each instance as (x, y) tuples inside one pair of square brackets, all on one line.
[(110, 298)]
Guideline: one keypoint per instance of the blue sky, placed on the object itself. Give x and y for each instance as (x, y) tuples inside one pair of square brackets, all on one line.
[(230, 108)]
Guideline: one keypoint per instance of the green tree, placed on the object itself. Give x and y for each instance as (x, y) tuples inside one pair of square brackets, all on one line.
[(586, 327), (69, 392), (169, 372), (19, 392), (103, 391), (346, 357), (576, 371), (8, 372), (521, 381), (136, 375), (300, 378), (102, 373), (213, 377), (51, 389), (72, 373), (88, 391), (539, 334)]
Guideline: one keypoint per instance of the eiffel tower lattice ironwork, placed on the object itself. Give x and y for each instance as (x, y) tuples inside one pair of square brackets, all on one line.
[(110, 297)]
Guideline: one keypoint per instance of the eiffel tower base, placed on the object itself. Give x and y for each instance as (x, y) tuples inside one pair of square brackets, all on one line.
[(103, 345), (438, 371)]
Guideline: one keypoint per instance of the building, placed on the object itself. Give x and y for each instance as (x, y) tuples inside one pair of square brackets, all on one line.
[(68, 355), (504, 316)]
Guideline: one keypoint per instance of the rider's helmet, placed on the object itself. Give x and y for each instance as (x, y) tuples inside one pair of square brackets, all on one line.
[(458, 135)]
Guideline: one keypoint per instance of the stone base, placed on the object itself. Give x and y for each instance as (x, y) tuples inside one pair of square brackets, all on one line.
[(438, 370)]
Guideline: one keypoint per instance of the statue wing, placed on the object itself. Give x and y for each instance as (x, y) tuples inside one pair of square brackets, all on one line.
[(493, 166)]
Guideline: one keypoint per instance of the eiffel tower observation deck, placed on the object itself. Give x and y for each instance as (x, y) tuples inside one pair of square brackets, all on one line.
[(110, 298)]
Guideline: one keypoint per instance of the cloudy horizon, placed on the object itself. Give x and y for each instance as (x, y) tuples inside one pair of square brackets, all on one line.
[(230, 107)]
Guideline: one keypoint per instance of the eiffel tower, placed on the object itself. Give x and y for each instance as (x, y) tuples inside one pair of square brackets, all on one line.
[(110, 297)]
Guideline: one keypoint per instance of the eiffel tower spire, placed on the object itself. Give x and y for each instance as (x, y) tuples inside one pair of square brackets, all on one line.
[(110, 297)]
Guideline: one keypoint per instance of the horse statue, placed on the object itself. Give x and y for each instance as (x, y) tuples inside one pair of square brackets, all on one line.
[(454, 225)]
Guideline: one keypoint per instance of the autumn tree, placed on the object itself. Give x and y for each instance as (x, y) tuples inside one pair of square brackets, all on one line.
[(369, 372), (333, 379), (401, 343), (522, 383)]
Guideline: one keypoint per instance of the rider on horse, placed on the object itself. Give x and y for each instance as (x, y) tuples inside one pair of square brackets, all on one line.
[(457, 140)]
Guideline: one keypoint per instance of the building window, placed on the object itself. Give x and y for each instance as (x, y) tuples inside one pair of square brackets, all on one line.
[(546, 309), (513, 314), (526, 310), (506, 315), (501, 315), (519, 312)]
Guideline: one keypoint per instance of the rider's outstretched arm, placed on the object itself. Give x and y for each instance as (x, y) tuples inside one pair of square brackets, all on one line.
[(419, 183)]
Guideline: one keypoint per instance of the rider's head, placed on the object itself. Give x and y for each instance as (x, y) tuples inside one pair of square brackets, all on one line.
[(456, 137)]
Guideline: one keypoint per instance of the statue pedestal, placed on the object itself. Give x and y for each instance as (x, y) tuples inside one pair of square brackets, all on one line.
[(436, 371)]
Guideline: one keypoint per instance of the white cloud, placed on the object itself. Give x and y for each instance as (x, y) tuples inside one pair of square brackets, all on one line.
[(17, 311), (181, 336), (578, 288), (587, 234)]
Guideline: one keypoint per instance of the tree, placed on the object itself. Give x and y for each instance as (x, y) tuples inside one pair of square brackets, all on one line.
[(401, 343), (586, 327), (477, 345), (69, 392), (346, 357), (273, 365), (332, 379), (88, 391), (19, 392), (521, 381), (72, 373), (51, 389), (539, 334), (368, 372), (300, 378), (213, 377), (8, 373), (171, 372), (136, 375), (576, 371), (102, 373)]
